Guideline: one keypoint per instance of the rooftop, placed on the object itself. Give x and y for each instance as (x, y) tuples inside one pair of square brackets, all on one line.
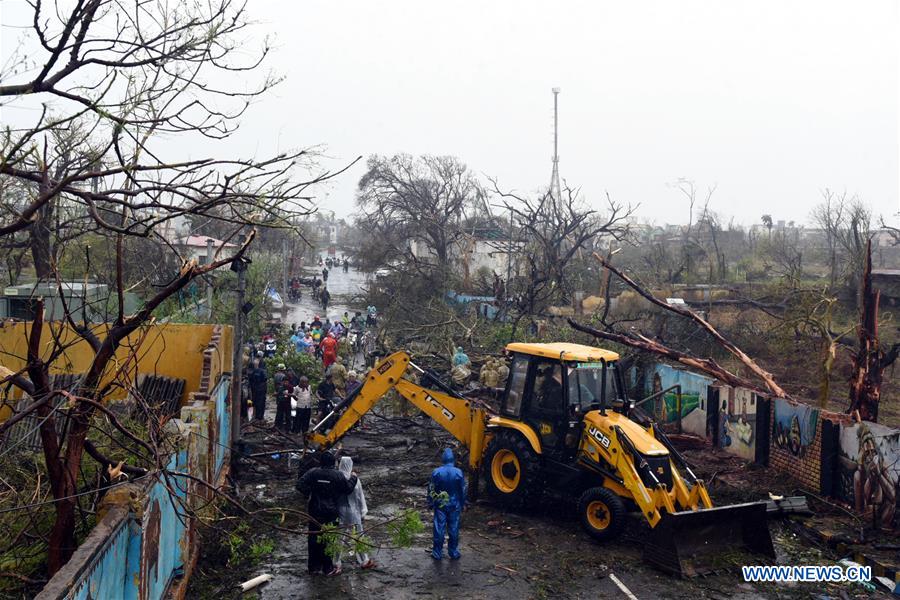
[(46, 288), (564, 351), (199, 241)]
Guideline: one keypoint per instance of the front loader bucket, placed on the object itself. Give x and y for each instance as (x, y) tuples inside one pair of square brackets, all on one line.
[(694, 543)]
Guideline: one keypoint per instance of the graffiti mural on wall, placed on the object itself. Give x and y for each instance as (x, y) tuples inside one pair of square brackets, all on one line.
[(795, 427), (693, 397), (739, 420), (869, 470)]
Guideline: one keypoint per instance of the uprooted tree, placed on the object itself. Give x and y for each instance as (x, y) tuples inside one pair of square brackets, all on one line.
[(869, 360), (114, 84), (707, 365)]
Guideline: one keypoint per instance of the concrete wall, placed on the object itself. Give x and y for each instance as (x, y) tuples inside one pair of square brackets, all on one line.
[(826, 452), (114, 559), (803, 443), (868, 470), (174, 349), (693, 396), (738, 421), (144, 545)]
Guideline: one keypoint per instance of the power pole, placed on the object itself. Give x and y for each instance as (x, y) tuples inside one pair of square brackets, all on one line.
[(240, 267), (284, 277), (284, 266), (209, 281), (509, 253)]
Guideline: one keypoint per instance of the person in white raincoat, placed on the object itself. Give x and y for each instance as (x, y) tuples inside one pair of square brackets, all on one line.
[(352, 508)]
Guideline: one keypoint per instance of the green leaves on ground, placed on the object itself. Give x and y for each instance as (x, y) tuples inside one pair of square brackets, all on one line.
[(402, 531), (405, 528)]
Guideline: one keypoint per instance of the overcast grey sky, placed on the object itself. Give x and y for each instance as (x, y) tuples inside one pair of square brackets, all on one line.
[(770, 101)]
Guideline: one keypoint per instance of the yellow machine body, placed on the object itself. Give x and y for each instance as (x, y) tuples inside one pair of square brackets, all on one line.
[(634, 462)]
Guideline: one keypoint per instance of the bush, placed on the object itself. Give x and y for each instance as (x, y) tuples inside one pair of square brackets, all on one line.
[(304, 365)]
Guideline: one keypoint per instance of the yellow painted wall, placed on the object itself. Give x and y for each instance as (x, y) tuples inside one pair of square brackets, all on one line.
[(171, 350)]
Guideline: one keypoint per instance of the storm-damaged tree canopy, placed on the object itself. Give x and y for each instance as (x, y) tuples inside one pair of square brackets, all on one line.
[(118, 90), (406, 200), (557, 233)]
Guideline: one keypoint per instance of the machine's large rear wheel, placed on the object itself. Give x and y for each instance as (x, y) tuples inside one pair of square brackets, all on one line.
[(512, 469), (602, 513)]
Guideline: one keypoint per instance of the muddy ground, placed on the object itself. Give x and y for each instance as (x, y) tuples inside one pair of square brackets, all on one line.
[(535, 553)]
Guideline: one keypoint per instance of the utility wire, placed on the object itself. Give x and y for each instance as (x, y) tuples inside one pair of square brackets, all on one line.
[(55, 500)]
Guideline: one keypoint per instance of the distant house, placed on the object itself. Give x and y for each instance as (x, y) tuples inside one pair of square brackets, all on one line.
[(89, 302), (887, 281), (174, 229), (884, 238), (197, 246), (486, 248)]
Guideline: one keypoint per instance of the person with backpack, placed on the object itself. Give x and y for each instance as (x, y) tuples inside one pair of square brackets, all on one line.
[(325, 487)]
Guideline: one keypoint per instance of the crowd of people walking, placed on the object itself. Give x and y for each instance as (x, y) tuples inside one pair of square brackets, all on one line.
[(335, 496)]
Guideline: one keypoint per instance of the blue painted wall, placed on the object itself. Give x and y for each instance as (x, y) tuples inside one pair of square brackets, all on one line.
[(108, 577), (140, 559), (223, 418), (661, 376)]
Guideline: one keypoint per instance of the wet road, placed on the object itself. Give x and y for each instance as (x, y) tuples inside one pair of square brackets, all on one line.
[(535, 553), (538, 553), (346, 295)]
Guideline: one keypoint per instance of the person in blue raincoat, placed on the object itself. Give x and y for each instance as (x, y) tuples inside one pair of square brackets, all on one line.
[(447, 496), (460, 358)]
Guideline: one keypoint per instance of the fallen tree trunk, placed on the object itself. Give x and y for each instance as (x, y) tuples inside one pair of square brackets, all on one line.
[(772, 387), (706, 365)]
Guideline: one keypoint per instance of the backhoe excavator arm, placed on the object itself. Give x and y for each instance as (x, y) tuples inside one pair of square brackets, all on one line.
[(457, 415)]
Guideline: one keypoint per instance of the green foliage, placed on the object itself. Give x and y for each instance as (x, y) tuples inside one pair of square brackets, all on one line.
[(333, 539), (261, 548), (405, 528), (235, 541), (361, 544), (339, 541), (301, 363), (241, 550), (440, 499), (402, 531)]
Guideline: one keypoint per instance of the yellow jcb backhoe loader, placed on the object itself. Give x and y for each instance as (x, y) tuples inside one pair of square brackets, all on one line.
[(565, 424)]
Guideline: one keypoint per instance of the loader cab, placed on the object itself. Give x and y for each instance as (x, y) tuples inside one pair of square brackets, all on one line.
[(552, 386)]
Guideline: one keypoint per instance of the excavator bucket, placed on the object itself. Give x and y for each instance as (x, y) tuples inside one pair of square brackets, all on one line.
[(699, 542)]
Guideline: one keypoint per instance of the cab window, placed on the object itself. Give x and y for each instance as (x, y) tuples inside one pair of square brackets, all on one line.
[(518, 374), (589, 384), (548, 388)]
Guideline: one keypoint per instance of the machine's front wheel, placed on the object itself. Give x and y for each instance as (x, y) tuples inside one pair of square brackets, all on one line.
[(512, 469), (602, 513)]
